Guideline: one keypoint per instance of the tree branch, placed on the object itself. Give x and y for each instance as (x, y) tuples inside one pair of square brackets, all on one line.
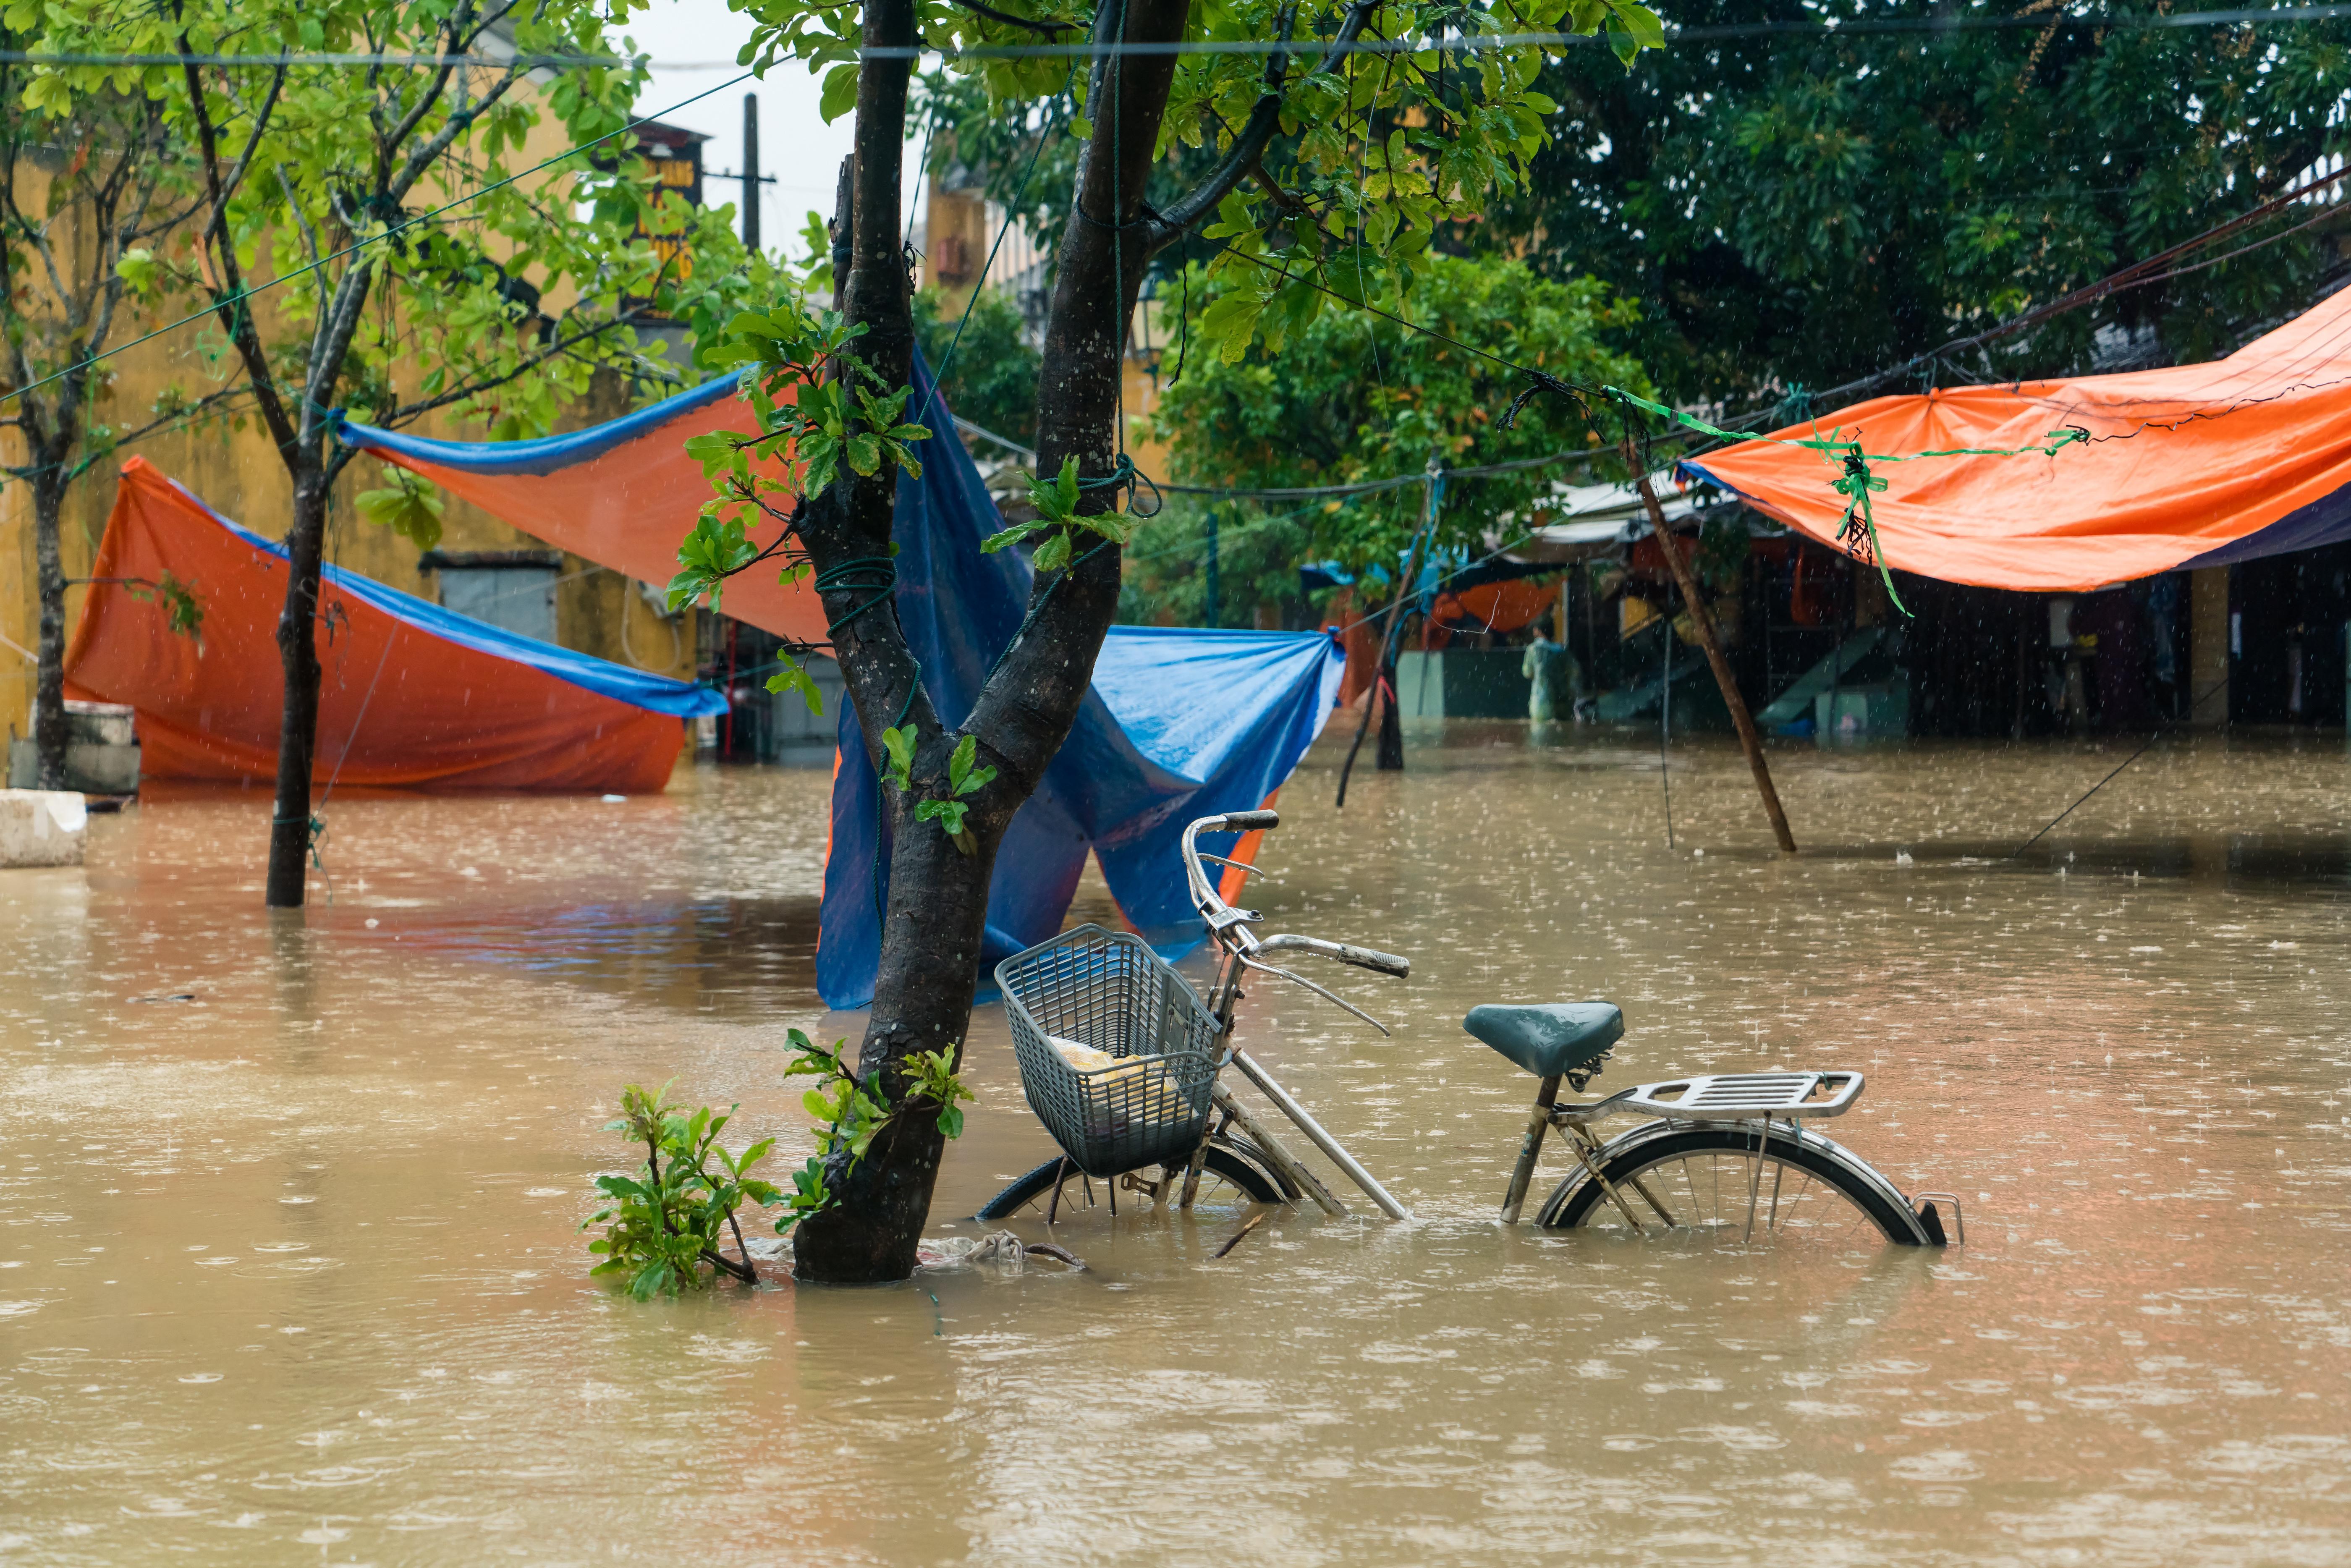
[(1256, 135), (993, 14), (230, 305), (406, 412)]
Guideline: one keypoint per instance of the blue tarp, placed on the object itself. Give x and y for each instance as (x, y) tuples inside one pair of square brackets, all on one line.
[(655, 694), (547, 453), (1180, 724)]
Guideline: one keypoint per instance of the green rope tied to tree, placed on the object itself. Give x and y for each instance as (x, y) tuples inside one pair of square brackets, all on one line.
[(876, 572), (1124, 475), (318, 833), (1856, 481)]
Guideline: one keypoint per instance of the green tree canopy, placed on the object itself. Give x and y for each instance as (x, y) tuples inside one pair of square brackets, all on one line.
[(1353, 397), (1801, 209)]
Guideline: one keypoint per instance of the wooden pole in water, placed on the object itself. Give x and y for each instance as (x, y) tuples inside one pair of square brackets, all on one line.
[(1686, 580)]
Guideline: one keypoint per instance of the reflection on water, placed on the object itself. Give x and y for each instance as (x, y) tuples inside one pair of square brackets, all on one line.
[(288, 1271)]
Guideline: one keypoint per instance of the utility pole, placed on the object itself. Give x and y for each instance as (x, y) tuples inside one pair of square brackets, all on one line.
[(1213, 615), (751, 170)]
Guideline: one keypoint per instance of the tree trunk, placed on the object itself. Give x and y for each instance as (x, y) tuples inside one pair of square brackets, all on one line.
[(935, 919), (1389, 694), (938, 903), (931, 934), (50, 675), (297, 730)]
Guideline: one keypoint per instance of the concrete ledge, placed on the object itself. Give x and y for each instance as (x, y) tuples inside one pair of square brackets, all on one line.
[(42, 827)]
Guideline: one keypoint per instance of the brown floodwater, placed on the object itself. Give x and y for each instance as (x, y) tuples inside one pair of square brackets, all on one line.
[(289, 1272)]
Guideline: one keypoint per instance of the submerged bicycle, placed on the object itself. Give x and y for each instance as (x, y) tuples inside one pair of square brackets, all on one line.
[(1122, 1061)]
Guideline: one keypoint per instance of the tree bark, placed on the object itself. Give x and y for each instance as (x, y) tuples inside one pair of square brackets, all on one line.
[(297, 729), (49, 673)]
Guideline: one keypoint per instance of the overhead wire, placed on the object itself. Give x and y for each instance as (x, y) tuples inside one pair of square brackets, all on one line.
[(1418, 44)]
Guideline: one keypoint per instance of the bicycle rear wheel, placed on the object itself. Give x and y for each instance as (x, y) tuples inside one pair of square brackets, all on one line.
[(1227, 1181), (1704, 1181)]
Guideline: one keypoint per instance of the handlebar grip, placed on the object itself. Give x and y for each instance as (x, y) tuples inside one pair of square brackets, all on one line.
[(1372, 958), (1250, 822)]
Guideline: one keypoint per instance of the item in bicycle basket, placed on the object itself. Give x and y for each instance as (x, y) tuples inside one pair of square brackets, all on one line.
[(1117, 1055), (1160, 1099)]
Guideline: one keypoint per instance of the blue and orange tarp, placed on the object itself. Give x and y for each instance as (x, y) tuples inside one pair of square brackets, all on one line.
[(412, 695), (1179, 724), (2191, 466)]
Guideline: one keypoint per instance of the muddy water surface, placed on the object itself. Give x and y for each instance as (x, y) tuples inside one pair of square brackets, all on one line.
[(288, 1271)]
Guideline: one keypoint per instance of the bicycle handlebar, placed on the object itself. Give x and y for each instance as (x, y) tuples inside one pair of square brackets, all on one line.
[(1229, 924), (1345, 952)]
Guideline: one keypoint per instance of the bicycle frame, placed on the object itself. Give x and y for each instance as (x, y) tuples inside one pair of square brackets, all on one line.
[(1239, 949)]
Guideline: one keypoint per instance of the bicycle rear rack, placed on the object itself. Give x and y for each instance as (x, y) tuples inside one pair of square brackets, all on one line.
[(1727, 1097)]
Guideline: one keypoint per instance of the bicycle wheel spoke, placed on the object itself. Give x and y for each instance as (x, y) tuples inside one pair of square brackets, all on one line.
[(1806, 1203)]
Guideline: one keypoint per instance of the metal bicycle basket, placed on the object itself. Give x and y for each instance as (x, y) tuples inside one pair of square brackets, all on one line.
[(1107, 992)]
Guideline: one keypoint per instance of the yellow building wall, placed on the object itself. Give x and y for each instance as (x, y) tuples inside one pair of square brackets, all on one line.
[(237, 472)]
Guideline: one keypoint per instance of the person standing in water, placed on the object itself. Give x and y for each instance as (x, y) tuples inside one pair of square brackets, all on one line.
[(1546, 667)]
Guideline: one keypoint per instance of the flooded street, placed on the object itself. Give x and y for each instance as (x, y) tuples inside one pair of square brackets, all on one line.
[(290, 1270)]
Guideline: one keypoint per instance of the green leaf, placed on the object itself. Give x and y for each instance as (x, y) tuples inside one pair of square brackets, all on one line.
[(840, 95), (898, 747), (1647, 29), (409, 508), (1053, 554), (793, 677), (139, 268), (948, 814)]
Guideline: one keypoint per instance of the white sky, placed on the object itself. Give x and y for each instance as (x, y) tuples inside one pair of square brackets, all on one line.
[(693, 44)]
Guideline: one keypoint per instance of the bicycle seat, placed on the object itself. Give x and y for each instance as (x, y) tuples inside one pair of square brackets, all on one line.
[(1548, 1038)]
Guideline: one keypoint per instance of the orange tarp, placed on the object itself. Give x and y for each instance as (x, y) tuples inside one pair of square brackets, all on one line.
[(1495, 606), (621, 494), (2195, 465), (398, 705)]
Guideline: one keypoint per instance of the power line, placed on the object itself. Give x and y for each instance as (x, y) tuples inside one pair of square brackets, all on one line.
[(1479, 43), (1421, 44), (529, 62)]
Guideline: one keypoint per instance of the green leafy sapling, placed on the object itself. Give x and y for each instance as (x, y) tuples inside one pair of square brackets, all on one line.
[(850, 1113), (931, 1075), (664, 1227), (668, 1218)]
